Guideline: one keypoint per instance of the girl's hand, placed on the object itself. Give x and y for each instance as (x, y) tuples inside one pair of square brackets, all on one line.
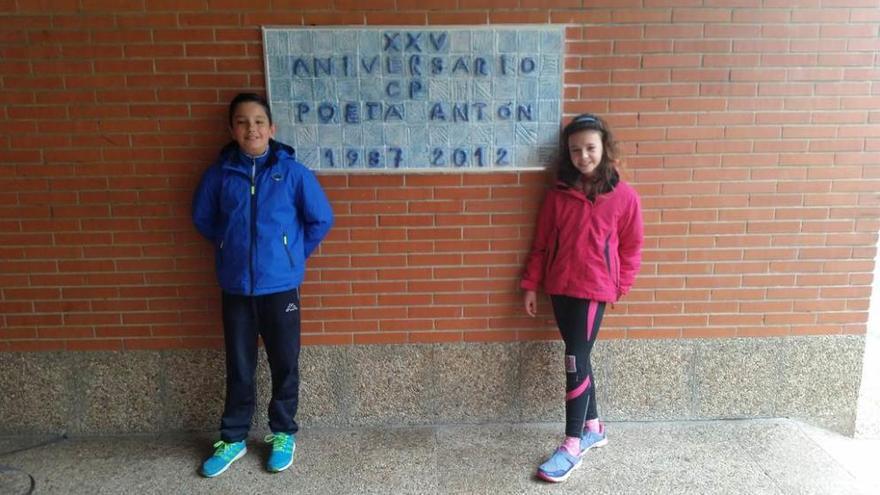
[(530, 301)]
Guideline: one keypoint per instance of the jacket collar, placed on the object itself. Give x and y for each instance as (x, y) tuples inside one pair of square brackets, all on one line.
[(231, 156), (576, 193)]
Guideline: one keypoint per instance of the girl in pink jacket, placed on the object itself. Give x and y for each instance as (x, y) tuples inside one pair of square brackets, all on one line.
[(586, 253)]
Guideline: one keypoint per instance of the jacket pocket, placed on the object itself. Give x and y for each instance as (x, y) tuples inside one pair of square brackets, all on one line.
[(551, 258), (613, 274), (287, 249)]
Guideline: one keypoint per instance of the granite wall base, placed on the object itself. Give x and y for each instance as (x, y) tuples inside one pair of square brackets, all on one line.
[(815, 379)]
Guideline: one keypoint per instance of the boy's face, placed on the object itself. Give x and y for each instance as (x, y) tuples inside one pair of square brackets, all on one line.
[(251, 128)]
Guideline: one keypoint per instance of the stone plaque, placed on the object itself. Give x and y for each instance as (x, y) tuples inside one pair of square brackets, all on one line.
[(431, 98)]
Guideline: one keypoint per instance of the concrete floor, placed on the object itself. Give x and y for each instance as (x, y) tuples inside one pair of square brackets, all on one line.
[(737, 457)]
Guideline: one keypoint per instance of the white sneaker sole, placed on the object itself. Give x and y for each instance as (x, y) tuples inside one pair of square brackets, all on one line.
[(285, 466), (558, 479)]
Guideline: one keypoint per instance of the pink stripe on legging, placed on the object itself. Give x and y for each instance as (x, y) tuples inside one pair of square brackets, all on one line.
[(591, 317), (579, 390), (592, 308)]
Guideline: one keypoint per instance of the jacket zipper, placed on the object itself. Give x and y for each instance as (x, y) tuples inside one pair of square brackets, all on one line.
[(253, 222)]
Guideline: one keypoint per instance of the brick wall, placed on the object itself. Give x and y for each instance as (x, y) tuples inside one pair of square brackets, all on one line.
[(750, 129)]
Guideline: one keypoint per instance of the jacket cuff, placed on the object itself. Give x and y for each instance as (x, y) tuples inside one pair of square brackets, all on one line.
[(528, 285)]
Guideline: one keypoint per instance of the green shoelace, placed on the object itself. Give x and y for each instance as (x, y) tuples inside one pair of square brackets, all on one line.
[(224, 450), (280, 441)]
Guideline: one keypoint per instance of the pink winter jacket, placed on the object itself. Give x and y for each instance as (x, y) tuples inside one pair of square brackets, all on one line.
[(583, 249)]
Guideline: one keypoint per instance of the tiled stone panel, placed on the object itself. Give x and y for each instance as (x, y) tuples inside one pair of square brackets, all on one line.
[(437, 98)]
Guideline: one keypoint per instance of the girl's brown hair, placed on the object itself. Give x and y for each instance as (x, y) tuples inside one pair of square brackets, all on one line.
[(606, 175)]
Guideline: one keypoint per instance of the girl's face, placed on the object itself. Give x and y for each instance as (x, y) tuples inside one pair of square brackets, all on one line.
[(585, 150), (251, 128)]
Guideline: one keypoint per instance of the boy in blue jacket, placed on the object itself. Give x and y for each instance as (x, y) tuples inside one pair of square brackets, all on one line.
[(265, 213)]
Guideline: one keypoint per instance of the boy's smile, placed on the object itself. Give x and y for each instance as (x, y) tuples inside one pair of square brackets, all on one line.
[(251, 128)]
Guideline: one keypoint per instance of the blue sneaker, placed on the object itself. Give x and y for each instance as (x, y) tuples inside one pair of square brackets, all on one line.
[(559, 466), (591, 439), (283, 446), (224, 455)]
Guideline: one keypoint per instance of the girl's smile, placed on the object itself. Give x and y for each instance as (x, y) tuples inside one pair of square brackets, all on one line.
[(585, 150)]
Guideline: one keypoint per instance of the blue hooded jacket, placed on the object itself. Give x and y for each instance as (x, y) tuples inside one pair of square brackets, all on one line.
[(265, 216)]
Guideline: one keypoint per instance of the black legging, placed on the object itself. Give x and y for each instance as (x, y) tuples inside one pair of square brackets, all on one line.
[(578, 321)]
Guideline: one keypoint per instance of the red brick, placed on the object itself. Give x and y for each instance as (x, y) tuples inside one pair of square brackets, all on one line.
[(326, 339), (522, 17), (706, 15), (381, 338), (594, 16), (847, 31), (435, 337), (732, 60), (641, 15), (818, 46), (669, 31), (733, 31)]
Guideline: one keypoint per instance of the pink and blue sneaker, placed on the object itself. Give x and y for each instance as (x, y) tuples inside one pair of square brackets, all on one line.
[(560, 465), (592, 439)]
